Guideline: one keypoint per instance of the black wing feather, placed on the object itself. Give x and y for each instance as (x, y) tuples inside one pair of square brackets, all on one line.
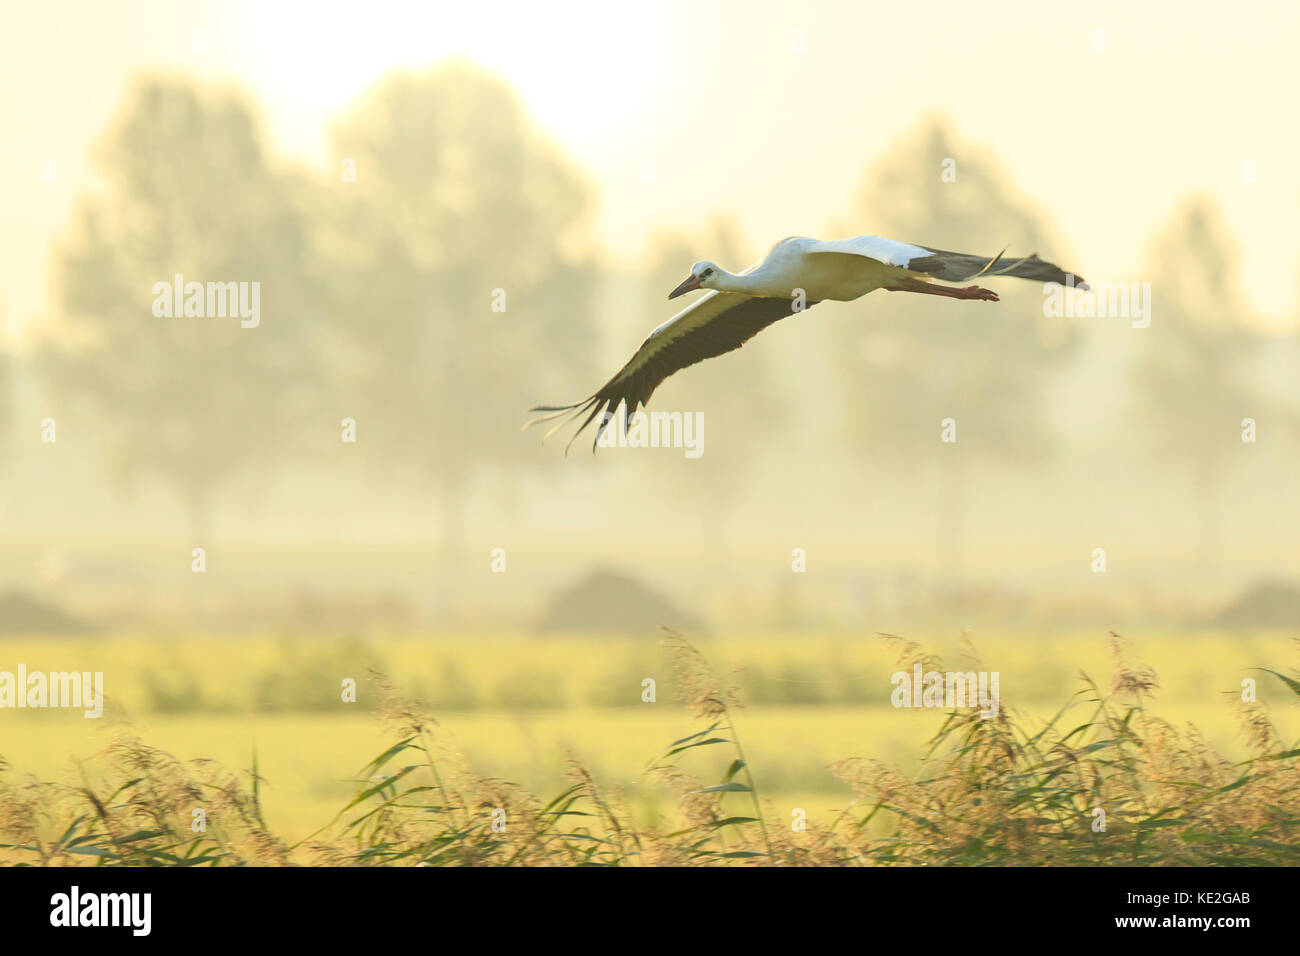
[(655, 361)]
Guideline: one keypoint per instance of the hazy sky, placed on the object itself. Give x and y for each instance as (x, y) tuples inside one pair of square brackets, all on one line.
[(768, 111)]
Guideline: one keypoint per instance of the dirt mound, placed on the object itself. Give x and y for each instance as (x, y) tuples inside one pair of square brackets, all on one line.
[(610, 601), (1267, 604), (21, 614)]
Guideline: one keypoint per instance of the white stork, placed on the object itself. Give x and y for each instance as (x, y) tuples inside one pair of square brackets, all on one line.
[(795, 275)]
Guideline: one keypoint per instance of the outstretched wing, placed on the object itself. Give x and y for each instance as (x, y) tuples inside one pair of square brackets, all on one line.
[(715, 324), (945, 266)]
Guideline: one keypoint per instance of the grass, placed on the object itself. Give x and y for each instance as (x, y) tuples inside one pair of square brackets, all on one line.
[(1103, 781)]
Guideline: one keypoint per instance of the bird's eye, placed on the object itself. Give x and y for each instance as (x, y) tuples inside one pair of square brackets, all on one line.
[(706, 273)]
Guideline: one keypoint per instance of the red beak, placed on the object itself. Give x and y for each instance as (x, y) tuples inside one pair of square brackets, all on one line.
[(691, 283)]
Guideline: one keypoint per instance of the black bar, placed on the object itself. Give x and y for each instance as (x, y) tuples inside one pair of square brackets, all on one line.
[(331, 905)]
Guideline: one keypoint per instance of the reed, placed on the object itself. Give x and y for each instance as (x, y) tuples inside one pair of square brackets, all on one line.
[(1103, 782)]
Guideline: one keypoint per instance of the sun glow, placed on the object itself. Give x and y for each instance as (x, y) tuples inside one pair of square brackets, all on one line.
[(578, 85)]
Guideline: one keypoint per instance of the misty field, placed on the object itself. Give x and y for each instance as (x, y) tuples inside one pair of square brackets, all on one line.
[(519, 715)]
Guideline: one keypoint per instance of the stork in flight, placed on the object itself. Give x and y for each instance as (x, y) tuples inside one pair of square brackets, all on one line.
[(795, 275)]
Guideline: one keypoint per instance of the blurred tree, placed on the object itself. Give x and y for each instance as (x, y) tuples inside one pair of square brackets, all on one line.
[(190, 400), (7, 403), (461, 275), (7, 381), (1193, 379), (911, 361)]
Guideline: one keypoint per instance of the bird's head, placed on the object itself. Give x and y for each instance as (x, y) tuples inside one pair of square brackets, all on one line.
[(703, 274)]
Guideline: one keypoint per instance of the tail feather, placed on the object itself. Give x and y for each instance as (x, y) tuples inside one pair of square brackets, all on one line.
[(959, 267)]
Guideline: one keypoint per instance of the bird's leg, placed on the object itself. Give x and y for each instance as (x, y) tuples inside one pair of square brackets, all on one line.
[(917, 285)]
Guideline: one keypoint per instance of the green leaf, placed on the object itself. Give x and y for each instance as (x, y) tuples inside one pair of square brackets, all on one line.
[(1282, 756), (708, 730), (369, 769), (573, 789), (1293, 684), (730, 821), (380, 787), (93, 851), (732, 787), (699, 743), (72, 828)]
